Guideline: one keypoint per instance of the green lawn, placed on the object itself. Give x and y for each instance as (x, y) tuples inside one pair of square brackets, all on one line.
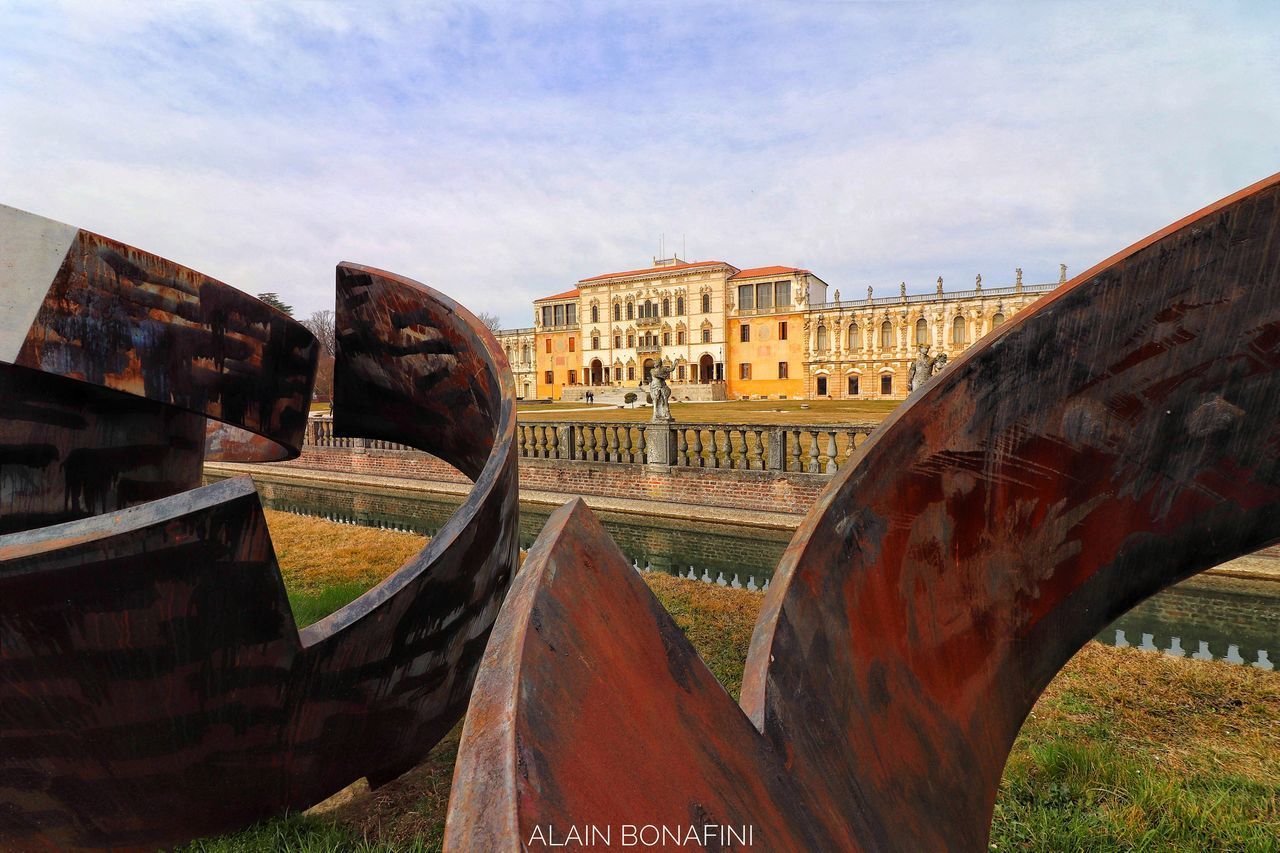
[(1125, 750)]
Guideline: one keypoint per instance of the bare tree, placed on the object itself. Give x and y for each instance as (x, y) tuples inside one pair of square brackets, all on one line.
[(323, 326), (490, 320)]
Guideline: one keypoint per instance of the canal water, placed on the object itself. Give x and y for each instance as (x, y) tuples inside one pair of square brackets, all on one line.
[(1206, 617)]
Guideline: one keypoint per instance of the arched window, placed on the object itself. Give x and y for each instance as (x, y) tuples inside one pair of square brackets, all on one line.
[(852, 341), (886, 335), (524, 353), (631, 311), (922, 331), (617, 312), (706, 303), (595, 313), (822, 338), (996, 320), (957, 330), (666, 307), (680, 306)]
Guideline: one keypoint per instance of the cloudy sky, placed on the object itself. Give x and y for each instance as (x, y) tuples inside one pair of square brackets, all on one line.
[(501, 151)]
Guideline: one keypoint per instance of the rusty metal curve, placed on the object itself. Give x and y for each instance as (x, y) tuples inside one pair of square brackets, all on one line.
[(153, 684), (1116, 437)]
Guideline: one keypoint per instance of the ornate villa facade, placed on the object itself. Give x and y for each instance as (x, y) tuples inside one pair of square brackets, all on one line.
[(758, 333)]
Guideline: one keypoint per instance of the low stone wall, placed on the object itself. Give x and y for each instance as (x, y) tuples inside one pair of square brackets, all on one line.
[(759, 491)]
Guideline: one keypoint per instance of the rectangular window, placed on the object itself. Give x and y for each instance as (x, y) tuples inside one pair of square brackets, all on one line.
[(631, 340), (666, 339), (680, 373), (548, 379), (680, 337), (782, 331), (559, 315), (595, 342), (631, 373), (547, 315), (764, 295), (617, 312), (822, 386), (617, 341), (573, 377), (782, 370), (706, 303), (617, 374), (746, 297), (853, 386), (744, 371), (571, 340), (548, 344), (782, 293), (571, 314), (744, 331), (886, 384), (631, 311), (706, 336)]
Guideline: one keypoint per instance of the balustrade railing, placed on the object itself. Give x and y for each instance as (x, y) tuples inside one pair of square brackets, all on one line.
[(805, 449)]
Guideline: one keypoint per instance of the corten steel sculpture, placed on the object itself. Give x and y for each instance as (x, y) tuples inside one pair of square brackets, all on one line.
[(1118, 436), (153, 684)]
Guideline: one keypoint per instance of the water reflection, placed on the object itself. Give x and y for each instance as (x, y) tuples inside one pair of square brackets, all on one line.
[(1231, 619)]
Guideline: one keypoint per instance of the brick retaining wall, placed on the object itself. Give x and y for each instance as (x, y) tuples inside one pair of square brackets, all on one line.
[(761, 491)]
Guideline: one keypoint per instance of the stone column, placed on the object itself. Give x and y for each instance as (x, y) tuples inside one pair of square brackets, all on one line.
[(773, 460), (660, 443)]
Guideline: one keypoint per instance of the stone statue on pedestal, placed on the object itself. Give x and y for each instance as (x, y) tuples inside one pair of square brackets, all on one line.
[(660, 391), (923, 368)]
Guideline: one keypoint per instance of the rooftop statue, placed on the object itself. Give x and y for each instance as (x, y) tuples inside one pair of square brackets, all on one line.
[(1117, 436)]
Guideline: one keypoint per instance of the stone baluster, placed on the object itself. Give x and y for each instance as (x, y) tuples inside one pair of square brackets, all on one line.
[(813, 451), (642, 445), (625, 444), (579, 452), (552, 441), (613, 443), (739, 448), (757, 452), (722, 457), (589, 443), (831, 451), (795, 451), (695, 457), (682, 448), (540, 434)]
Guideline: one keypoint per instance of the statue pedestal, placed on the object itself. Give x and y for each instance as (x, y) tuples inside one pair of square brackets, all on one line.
[(660, 443)]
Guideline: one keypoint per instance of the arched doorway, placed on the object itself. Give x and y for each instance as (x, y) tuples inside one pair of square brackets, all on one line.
[(648, 369), (706, 369), (597, 372)]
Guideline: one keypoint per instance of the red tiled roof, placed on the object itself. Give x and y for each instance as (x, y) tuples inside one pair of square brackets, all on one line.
[(566, 295), (758, 271), (664, 269)]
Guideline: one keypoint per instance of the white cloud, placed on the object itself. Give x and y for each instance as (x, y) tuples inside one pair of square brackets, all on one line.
[(502, 152)]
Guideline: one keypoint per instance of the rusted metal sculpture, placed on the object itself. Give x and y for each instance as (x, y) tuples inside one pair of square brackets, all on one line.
[(1116, 437), (153, 684)]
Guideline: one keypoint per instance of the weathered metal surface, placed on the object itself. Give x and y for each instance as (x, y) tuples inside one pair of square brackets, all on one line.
[(153, 684), (1118, 436)]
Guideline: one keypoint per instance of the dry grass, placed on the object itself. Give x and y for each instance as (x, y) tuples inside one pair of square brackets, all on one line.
[(316, 554), (1125, 750)]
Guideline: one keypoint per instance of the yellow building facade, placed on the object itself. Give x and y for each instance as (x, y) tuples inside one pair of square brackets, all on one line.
[(756, 333)]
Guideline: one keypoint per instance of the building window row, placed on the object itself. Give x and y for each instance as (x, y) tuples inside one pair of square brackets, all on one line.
[(770, 294), (560, 315)]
